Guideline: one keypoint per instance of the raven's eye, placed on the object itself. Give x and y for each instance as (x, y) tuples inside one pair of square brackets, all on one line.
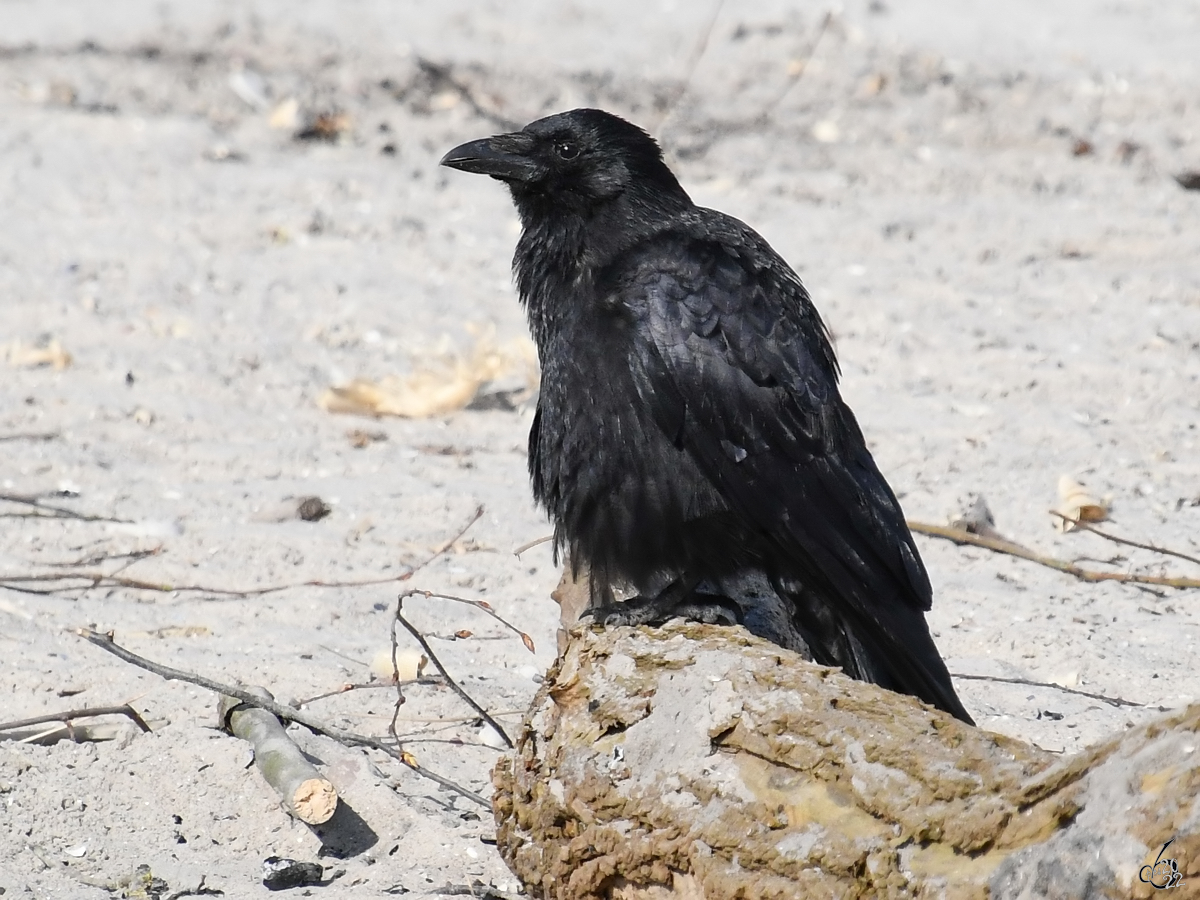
[(566, 149)]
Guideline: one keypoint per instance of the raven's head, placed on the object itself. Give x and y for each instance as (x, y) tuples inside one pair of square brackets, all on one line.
[(572, 161)]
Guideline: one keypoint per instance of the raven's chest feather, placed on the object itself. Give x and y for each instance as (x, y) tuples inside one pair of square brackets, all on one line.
[(592, 432), (621, 494)]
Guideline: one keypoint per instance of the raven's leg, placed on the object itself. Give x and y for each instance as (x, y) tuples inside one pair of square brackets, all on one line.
[(677, 600)]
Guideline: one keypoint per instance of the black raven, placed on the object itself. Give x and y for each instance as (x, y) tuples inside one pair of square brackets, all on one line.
[(690, 435)]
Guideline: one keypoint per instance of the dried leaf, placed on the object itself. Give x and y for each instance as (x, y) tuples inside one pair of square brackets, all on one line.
[(573, 596), (528, 642), (29, 356), (463, 633), (447, 385), (324, 126), (1076, 504), (873, 85)]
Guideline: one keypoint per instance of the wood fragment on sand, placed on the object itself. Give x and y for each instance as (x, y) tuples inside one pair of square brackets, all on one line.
[(1010, 548), (307, 794)]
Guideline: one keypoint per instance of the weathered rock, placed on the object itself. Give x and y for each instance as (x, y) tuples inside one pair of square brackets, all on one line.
[(701, 762)]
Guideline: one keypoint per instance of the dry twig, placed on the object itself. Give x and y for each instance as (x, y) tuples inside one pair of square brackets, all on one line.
[(105, 580), (697, 54), (1009, 548), (454, 685), (400, 698), (66, 718), (97, 579), (1112, 701), (370, 685), (529, 545), (1087, 526), (133, 556), (30, 436), (46, 511), (346, 738), (798, 72), (306, 793), (447, 544), (482, 606)]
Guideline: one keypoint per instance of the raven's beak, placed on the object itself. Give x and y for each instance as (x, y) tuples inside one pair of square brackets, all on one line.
[(500, 156)]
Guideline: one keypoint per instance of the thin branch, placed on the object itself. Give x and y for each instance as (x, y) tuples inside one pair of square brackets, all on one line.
[(795, 76), (1112, 701), (1111, 561), (341, 655), (88, 712), (104, 580), (97, 579), (1009, 548), (529, 545), (697, 54), (31, 436), (133, 555), (441, 549), (1087, 526), (400, 698), (481, 605), (467, 698), (453, 720), (58, 512), (437, 552), (347, 738), (367, 686), (21, 590)]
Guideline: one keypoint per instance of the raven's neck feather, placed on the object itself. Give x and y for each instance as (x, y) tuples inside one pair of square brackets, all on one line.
[(563, 243)]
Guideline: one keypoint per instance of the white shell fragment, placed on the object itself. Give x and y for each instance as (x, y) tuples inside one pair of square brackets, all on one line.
[(409, 663), (1077, 504)]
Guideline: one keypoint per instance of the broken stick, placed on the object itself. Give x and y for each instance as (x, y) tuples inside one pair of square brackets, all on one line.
[(307, 795)]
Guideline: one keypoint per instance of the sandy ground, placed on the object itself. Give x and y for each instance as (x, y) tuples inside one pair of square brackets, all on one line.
[(984, 211)]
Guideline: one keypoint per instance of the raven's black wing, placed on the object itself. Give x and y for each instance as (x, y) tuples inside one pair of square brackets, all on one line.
[(733, 362)]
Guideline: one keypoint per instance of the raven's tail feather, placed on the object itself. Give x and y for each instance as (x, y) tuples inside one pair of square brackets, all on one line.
[(898, 655)]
